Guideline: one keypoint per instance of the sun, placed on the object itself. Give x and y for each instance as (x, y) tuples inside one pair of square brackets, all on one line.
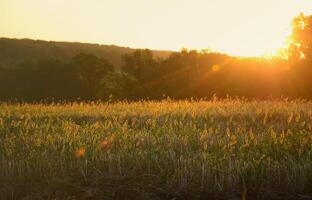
[(255, 41), (239, 28)]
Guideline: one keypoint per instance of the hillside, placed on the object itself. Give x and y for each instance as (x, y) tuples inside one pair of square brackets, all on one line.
[(14, 51)]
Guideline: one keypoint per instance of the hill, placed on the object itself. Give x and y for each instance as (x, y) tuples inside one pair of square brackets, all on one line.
[(15, 51)]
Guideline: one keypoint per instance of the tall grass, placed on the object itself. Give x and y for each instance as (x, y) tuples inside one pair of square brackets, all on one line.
[(222, 149)]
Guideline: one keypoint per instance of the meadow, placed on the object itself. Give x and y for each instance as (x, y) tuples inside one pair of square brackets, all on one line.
[(217, 149)]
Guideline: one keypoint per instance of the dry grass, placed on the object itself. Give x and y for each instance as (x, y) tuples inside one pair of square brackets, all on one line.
[(227, 149)]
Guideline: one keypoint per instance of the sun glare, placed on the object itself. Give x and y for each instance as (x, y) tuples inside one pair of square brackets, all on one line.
[(241, 27), (215, 68), (257, 40)]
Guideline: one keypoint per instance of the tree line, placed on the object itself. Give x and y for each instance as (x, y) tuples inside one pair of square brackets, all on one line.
[(184, 74)]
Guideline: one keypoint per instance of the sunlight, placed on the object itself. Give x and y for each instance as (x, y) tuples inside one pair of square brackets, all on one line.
[(216, 68), (261, 40), (240, 28)]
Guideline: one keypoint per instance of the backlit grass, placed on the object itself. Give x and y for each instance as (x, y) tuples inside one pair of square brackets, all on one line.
[(157, 150)]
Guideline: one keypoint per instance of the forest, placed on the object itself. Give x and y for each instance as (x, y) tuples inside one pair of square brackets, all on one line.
[(34, 71)]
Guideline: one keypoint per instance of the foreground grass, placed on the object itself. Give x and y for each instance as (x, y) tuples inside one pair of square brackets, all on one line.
[(230, 149)]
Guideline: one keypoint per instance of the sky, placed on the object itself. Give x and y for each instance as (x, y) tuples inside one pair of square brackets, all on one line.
[(237, 27)]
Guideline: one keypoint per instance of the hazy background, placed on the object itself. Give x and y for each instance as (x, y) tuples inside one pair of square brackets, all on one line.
[(240, 27)]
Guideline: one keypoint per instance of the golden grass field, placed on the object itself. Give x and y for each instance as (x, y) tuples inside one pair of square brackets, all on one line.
[(220, 149)]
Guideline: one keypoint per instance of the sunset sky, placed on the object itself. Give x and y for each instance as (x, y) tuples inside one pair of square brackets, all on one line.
[(239, 27)]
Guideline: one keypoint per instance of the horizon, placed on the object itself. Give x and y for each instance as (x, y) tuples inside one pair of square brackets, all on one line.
[(129, 47), (155, 99), (265, 56), (103, 22)]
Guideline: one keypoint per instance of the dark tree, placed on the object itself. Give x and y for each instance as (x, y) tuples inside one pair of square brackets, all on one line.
[(93, 74)]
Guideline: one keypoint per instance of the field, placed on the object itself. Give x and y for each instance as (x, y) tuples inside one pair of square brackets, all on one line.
[(219, 149)]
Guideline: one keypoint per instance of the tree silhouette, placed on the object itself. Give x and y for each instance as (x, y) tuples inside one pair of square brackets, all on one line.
[(92, 73), (300, 54), (301, 39)]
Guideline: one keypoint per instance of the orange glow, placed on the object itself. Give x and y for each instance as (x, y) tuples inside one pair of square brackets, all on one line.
[(215, 68), (80, 152), (241, 27)]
